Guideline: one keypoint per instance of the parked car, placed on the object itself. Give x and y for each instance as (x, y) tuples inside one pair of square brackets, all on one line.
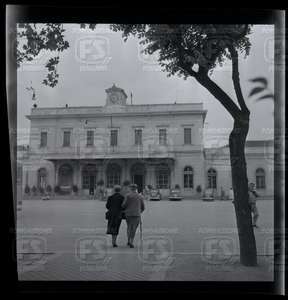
[(175, 195), (208, 195), (155, 195)]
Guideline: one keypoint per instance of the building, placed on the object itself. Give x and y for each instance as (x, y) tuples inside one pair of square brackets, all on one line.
[(157, 144), (259, 161)]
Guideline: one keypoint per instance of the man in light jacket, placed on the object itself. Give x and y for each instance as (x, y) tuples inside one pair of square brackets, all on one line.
[(133, 206)]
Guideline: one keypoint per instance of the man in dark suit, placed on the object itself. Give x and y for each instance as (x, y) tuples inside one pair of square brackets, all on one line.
[(114, 214)]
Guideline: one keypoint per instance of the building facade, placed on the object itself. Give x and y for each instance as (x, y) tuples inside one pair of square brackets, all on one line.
[(159, 145)]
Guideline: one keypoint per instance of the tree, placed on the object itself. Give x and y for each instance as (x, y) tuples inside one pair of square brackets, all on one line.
[(195, 51), (34, 38)]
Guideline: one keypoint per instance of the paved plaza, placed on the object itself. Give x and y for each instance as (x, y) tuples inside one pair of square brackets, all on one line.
[(187, 240)]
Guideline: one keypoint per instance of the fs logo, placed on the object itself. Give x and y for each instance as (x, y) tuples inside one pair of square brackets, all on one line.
[(91, 249), (155, 250), (218, 249), (93, 50), (31, 249)]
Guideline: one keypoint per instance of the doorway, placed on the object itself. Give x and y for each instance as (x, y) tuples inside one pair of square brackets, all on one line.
[(139, 180)]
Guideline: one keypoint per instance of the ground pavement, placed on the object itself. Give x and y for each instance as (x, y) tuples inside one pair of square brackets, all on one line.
[(187, 240)]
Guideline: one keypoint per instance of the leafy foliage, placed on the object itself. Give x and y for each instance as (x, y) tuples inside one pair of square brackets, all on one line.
[(182, 48), (34, 38)]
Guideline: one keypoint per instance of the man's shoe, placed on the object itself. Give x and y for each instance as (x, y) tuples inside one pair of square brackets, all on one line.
[(115, 245), (131, 246)]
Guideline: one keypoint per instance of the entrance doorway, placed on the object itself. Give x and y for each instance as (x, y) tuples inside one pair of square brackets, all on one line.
[(139, 180), (89, 176), (138, 176)]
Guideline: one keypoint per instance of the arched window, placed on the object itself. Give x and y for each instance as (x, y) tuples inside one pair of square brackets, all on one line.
[(113, 175), (65, 175), (88, 176), (188, 177), (260, 179), (212, 179), (42, 178), (163, 177)]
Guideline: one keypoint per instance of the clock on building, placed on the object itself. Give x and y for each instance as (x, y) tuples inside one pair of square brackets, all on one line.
[(116, 96)]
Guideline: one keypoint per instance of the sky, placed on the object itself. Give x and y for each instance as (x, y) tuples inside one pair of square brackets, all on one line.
[(97, 59)]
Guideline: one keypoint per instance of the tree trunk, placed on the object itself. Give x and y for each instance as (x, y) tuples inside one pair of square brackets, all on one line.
[(237, 139)]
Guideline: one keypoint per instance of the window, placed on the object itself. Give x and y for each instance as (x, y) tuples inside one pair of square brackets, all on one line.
[(66, 138), (260, 179), (43, 139), (85, 181), (163, 177), (162, 136), (138, 136), (212, 179), (188, 178), (114, 137), (90, 138), (113, 175), (187, 136), (88, 172)]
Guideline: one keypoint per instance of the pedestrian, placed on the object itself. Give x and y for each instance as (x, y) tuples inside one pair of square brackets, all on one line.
[(133, 206), (252, 202), (114, 214), (146, 192)]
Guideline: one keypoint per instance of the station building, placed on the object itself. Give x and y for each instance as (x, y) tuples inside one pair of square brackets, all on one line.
[(152, 144)]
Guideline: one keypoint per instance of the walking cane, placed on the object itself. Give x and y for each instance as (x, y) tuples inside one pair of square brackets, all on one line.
[(141, 237)]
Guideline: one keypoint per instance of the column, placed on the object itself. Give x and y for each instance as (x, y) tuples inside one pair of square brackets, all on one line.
[(125, 171), (56, 172), (172, 174), (100, 168), (78, 174), (150, 175)]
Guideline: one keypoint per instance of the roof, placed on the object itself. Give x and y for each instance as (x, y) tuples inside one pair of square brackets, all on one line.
[(102, 111), (259, 143)]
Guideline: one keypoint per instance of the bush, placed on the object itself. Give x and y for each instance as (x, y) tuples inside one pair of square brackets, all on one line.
[(100, 182), (150, 186), (57, 189), (126, 183), (199, 189), (27, 189), (48, 189), (34, 190), (177, 186), (75, 189)]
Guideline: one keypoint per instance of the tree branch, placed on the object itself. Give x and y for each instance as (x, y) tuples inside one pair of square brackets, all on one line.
[(236, 79), (220, 95)]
